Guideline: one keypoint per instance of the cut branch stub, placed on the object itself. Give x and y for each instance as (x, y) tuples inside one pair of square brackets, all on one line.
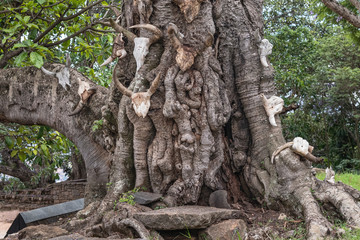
[(265, 49), (299, 146), (185, 56), (85, 92), (140, 100), (273, 105), (190, 8), (118, 50)]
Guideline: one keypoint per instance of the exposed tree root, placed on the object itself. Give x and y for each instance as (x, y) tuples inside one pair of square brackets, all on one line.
[(140, 229), (343, 201), (317, 225)]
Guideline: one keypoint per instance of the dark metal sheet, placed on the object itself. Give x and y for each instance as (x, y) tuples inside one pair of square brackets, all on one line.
[(52, 211)]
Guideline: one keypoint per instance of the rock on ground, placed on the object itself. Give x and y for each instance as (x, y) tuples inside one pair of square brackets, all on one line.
[(185, 217), (41, 232), (225, 230), (145, 198), (218, 199)]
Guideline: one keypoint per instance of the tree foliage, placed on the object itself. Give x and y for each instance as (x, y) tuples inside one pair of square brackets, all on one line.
[(317, 67), (34, 32), (40, 148)]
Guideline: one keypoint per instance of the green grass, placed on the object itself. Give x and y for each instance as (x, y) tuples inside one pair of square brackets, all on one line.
[(346, 178), (350, 234)]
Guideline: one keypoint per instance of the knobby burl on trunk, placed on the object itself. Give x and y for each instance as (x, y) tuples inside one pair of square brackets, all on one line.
[(212, 122)]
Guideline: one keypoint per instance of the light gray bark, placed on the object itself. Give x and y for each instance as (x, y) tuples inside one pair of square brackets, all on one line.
[(28, 97)]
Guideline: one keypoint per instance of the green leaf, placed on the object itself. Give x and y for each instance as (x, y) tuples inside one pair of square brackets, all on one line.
[(104, 3), (19, 45), (33, 33), (45, 150), (41, 132), (22, 156), (13, 153), (18, 16), (19, 140), (31, 25), (35, 152), (26, 19), (9, 142), (28, 152), (36, 59), (27, 140), (20, 59), (41, 1)]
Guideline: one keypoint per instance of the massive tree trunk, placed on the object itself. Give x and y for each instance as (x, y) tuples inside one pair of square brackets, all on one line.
[(207, 128)]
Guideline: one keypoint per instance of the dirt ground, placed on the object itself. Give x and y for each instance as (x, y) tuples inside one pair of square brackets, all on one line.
[(261, 223), (6, 218)]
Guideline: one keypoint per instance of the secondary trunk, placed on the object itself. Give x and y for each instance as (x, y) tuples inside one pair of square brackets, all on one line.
[(28, 96)]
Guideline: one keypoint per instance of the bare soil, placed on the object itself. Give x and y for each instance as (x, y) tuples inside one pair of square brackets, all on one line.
[(6, 218)]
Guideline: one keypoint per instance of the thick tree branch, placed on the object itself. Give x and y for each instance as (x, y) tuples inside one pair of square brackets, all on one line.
[(291, 107), (343, 11), (50, 106), (9, 55), (356, 4), (14, 167)]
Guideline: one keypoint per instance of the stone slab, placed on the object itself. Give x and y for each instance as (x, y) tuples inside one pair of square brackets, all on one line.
[(145, 198), (185, 217)]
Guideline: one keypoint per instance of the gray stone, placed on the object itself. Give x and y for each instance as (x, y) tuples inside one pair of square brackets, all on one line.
[(41, 232), (145, 198), (185, 217), (225, 230), (218, 199)]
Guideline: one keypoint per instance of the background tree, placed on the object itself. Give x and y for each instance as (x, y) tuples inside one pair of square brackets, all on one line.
[(206, 129), (32, 154), (312, 59)]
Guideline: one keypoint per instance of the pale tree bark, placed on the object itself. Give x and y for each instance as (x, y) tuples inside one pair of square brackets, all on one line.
[(344, 12), (28, 96), (78, 168), (207, 128)]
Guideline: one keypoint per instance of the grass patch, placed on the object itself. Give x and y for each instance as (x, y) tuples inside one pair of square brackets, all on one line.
[(346, 178)]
